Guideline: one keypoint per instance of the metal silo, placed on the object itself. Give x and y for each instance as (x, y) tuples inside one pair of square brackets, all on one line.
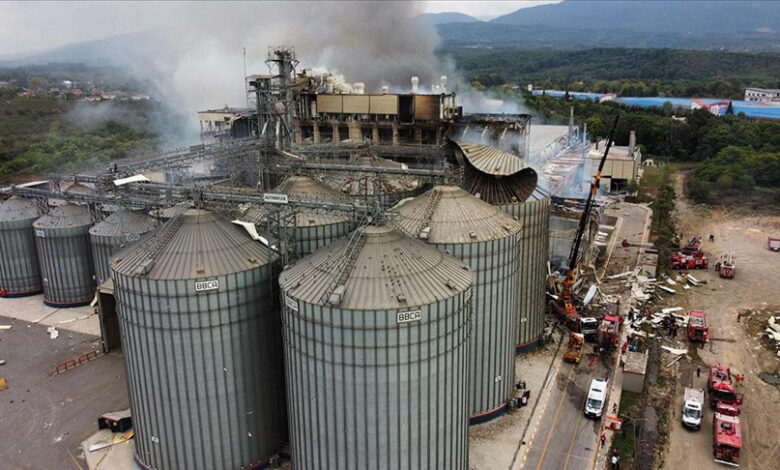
[(118, 230), (65, 257), (487, 240), (376, 329), (19, 271), (502, 179), (534, 216), (315, 228), (167, 213), (199, 319), (389, 188)]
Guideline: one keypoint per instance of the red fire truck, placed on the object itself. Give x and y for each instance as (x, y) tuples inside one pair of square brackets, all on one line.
[(721, 387), (698, 330), (726, 435)]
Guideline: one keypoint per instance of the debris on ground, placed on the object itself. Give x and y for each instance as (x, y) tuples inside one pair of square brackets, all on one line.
[(771, 379), (5, 327), (115, 440), (3, 384), (666, 289), (53, 332), (2, 362), (675, 351)]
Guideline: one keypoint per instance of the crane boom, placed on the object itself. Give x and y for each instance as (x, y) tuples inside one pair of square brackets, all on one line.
[(566, 301)]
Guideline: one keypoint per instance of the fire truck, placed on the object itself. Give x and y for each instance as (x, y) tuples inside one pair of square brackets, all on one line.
[(720, 387), (683, 261), (698, 330), (608, 332), (726, 435), (726, 266)]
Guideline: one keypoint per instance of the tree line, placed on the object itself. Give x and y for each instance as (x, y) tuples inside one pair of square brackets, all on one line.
[(733, 158)]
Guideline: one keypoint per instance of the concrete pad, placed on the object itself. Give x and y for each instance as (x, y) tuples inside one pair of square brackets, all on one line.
[(118, 456), (32, 310)]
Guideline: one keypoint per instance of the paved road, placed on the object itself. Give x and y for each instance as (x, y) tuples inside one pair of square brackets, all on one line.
[(565, 438)]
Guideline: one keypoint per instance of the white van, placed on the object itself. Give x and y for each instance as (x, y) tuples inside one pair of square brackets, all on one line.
[(597, 395)]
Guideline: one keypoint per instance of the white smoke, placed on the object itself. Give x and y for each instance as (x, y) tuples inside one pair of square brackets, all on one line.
[(192, 51)]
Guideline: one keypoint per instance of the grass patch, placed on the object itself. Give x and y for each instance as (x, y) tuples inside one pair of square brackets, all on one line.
[(631, 405)]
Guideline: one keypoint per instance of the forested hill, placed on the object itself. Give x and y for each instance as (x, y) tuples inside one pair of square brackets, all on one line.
[(675, 72)]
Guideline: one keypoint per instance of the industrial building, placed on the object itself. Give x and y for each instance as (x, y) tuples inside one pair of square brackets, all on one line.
[(622, 164), (346, 288)]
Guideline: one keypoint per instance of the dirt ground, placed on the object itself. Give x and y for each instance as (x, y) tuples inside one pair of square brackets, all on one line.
[(737, 344)]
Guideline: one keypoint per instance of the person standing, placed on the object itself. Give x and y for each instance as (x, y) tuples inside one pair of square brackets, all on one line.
[(603, 439)]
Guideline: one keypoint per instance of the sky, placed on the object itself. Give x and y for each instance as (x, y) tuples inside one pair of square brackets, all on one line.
[(484, 10), (27, 27)]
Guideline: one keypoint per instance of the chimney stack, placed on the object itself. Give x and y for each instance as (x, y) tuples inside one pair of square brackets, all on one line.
[(444, 84), (631, 143), (415, 84)]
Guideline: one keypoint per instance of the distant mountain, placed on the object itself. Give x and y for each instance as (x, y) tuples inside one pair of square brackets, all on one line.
[(731, 26), (114, 50), (684, 17), (448, 17)]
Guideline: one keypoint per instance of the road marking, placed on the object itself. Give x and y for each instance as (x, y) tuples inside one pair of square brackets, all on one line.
[(555, 418), (74, 460), (574, 434)]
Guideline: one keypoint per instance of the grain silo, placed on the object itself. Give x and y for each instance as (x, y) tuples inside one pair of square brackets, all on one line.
[(388, 188), (376, 329), (165, 214), (487, 240), (502, 179), (199, 319), (122, 228), (315, 228), (65, 257), (19, 272)]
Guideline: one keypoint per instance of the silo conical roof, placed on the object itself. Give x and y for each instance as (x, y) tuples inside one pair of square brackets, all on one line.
[(194, 245), (370, 184), (16, 209), (306, 188), (376, 268), (123, 222), (66, 216), (448, 214)]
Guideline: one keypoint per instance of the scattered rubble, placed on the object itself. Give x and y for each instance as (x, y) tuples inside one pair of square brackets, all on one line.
[(53, 332)]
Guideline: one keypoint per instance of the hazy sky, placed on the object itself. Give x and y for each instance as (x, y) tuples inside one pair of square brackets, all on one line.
[(32, 26)]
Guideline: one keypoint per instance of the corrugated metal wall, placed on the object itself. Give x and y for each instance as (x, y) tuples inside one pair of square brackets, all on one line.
[(312, 238), (494, 265), (534, 215), (204, 369), (103, 248), (367, 393), (19, 271), (65, 259)]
